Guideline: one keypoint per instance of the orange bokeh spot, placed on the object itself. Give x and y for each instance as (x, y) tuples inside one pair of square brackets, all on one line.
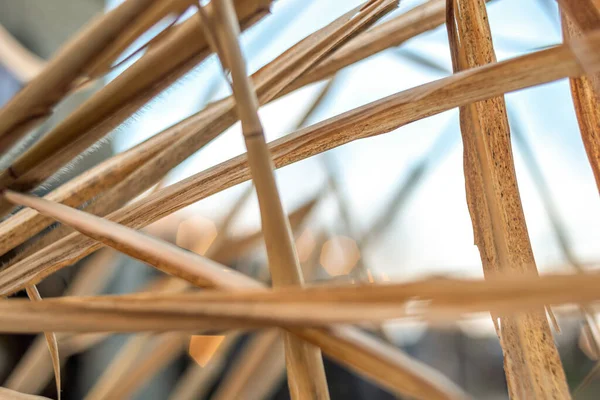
[(203, 347)]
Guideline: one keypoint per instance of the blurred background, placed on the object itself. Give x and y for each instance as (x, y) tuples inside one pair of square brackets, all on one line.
[(387, 208)]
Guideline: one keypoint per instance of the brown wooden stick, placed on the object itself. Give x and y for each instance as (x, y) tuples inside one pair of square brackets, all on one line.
[(375, 118), (532, 364), (34, 102), (84, 187)]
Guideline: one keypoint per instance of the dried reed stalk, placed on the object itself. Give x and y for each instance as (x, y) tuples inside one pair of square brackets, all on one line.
[(171, 259), (375, 118), (34, 103), (291, 307), (531, 361), (161, 66), (108, 173), (241, 381), (306, 374), (34, 295), (384, 364), (584, 17)]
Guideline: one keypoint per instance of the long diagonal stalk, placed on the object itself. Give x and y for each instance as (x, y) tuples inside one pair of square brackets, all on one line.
[(305, 370), (531, 362)]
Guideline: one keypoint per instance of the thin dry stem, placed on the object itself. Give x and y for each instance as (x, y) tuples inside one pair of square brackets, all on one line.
[(531, 361), (34, 295)]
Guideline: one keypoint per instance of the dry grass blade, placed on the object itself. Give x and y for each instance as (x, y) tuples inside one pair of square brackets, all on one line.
[(34, 295), (531, 361), (250, 378), (35, 101), (306, 374), (162, 255), (115, 102), (17, 229), (7, 394), (429, 299), (582, 18), (372, 119)]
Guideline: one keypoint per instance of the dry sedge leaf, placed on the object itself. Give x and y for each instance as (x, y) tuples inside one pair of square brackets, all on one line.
[(84, 187), (375, 118), (34, 295)]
